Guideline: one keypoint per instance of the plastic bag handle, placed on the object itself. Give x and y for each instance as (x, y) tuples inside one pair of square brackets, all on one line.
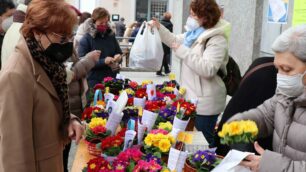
[(142, 29), (98, 96)]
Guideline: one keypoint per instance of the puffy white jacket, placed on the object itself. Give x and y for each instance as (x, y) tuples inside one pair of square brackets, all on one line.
[(11, 37), (200, 66)]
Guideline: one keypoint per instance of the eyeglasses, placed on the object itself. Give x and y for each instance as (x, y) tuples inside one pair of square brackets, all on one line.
[(64, 38)]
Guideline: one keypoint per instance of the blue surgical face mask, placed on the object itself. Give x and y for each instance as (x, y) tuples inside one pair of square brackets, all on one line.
[(291, 86), (191, 24)]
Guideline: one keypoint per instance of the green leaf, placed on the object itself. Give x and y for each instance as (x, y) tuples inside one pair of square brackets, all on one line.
[(157, 154), (131, 166)]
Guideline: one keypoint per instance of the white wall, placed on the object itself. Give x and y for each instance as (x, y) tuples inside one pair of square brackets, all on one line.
[(270, 31), (125, 8)]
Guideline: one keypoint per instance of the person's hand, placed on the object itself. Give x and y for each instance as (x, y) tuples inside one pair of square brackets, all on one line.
[(175, 46), (154, 23), (254, 160), (117, 58), (109, 60), (75, 130), (94, 55)]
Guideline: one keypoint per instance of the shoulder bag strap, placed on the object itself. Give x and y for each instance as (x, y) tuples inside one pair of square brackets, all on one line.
[(256, 69)]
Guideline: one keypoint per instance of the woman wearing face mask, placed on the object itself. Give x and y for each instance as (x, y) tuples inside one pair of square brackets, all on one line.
[(101, 37), (284, 115), (203, 50), (35, 121)]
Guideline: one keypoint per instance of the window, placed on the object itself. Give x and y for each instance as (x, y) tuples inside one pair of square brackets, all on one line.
[(158, 8), (146, 9)]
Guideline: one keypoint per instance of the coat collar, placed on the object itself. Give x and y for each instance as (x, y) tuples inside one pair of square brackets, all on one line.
[(38, 72), (301, 100), (91, 29), (221, 28)]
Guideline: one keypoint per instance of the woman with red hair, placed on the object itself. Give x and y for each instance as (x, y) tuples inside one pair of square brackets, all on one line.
[(35, 120)]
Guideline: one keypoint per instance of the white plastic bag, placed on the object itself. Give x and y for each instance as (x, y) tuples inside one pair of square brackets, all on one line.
[(147, 51)]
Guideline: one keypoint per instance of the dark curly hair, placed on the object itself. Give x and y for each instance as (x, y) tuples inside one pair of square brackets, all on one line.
[(208, 10)]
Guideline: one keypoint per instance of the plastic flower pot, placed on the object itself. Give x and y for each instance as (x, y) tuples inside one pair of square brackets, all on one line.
[(165, 158), (244, 147)]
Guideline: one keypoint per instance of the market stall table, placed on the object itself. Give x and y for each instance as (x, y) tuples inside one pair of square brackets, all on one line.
[(82, 156)]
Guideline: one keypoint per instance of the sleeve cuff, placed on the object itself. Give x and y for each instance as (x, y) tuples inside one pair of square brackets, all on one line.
[(269, 158), (73, 117)]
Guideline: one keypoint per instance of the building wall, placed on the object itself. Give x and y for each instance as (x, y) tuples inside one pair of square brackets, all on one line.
[(270, 31), (125, 8), (246, 20)]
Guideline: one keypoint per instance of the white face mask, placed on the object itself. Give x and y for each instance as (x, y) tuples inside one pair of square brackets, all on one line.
[(291, 86), (191, 24)]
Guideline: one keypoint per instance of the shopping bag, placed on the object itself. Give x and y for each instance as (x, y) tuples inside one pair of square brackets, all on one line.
[(147, 51)]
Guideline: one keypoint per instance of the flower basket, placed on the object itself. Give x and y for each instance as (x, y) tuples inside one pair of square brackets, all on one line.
[(92, 148), (191, 124), (188, 167)]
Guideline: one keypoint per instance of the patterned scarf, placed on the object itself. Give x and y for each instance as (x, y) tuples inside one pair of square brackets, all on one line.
[(57, 74), (18, 16)]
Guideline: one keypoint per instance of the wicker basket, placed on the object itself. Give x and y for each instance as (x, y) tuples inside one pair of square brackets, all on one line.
[(92, 149)]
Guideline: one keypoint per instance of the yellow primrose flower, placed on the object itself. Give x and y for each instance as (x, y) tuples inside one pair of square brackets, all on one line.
[(182, 91), (221, 134), (146, 82), (169, 89), (235, 129), (100, 102), (250, 127), (224, 131), (172, 76), (164, 145), (165, 170), (92, 166), (97, 122), (171, 138), (165, 126), (129, 91), (161, 136), (148, 140), (156, 143)]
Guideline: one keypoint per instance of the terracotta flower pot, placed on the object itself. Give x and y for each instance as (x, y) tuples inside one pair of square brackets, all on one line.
[(188, 167)]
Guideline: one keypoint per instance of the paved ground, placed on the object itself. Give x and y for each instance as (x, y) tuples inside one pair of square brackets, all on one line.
[(135, 76)]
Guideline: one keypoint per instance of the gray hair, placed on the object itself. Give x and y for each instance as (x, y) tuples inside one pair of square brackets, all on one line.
[(292, 40)]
